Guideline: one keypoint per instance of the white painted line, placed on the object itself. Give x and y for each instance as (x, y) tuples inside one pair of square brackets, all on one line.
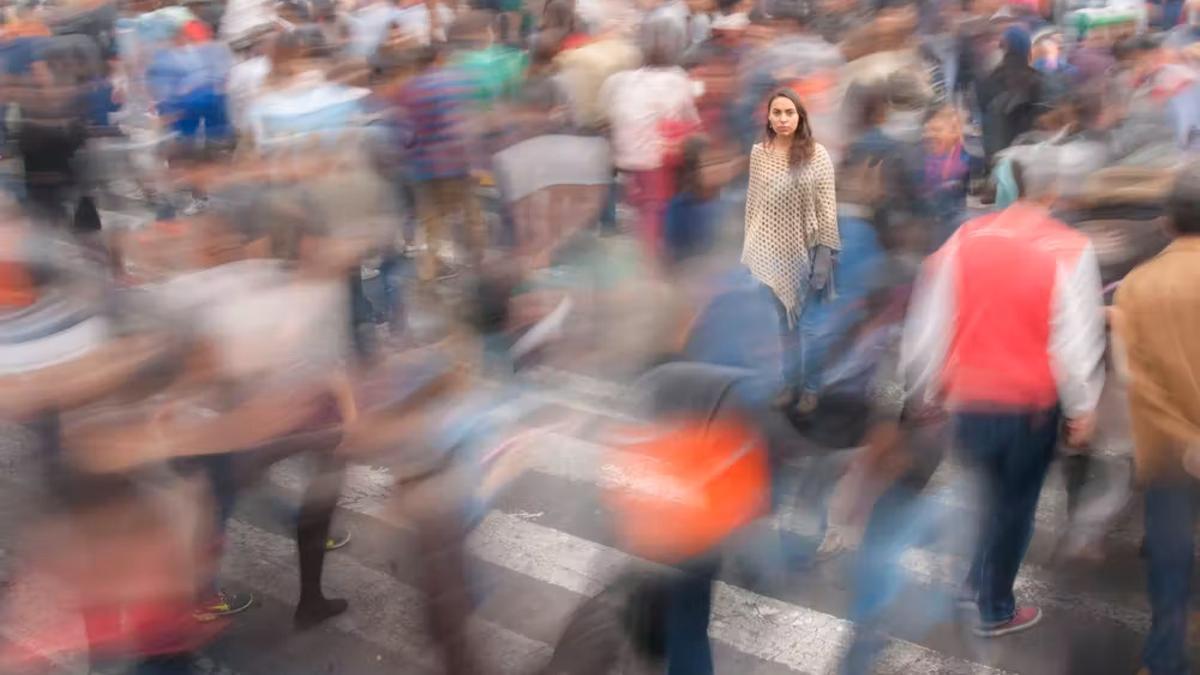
[(799, 638), (383, 611), (576, 460)]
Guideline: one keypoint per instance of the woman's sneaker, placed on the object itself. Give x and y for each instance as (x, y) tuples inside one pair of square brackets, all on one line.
[(1024, 618)]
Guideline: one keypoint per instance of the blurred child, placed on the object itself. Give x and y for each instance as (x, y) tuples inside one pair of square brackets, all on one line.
[(946, 170)]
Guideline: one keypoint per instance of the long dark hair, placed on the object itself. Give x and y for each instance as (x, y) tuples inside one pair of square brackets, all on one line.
[(802, 143)]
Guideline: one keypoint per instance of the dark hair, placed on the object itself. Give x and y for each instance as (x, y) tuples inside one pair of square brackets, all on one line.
[(803, 144), (1183, 203)]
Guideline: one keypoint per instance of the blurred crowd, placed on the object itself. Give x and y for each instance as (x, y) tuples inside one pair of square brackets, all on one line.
[(831, 247)]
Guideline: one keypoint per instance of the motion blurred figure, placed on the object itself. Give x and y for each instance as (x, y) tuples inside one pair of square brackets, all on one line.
[(1010, 355), (1156, 317)]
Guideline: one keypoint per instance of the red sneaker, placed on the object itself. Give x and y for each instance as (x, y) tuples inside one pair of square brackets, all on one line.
[(1024, 618)]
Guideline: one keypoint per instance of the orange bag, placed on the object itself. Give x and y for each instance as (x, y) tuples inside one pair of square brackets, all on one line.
[(683, 492)]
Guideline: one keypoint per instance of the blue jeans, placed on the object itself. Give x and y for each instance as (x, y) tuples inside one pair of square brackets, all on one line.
[(1010, 453), (1170, 534), (202, 109), (826, 322), (689, 605)]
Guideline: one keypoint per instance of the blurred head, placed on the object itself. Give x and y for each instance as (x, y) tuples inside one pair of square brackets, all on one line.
[(1047, 46), (943, 128), (662, 42), (787, 120), (559, 14), (896, 20), (792, 15), (1016, 44), (292, 50), (1183, 203), (1038, 175), (869, 106)]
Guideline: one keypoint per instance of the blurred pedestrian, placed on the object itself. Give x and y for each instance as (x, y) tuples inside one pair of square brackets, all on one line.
[(1012, 96), (651, 110), (1010, 361), (1156, 319)]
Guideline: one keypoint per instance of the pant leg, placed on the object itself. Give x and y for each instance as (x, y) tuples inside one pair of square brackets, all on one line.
[(877, 576), (790, 345), (1170, 535), (463, 196), (608, 216), (689, 606), (393, 291), (314, 522), (432, 225), (649, 192), (1015, 451)]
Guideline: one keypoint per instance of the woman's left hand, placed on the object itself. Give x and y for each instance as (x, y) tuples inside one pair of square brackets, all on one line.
[(822, 266)]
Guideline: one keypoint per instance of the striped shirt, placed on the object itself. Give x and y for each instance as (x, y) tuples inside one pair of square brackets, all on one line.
[(436, 107)]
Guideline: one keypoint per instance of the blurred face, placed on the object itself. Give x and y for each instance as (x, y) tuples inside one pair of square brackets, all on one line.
[(783, 116), (1048, 50), (943, 130)]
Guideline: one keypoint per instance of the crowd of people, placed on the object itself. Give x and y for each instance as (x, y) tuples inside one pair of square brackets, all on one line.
[(879, 236)]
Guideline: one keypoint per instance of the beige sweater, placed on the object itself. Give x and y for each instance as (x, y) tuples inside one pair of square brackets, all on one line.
[(788, 213)]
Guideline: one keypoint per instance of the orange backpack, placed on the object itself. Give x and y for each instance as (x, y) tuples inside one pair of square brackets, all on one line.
[(681, 493)]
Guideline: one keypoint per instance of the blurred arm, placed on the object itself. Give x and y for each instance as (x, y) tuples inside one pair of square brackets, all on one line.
[(1077, 335), (926, 338)]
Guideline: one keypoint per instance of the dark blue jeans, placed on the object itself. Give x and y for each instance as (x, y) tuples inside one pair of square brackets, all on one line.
[(1170, 535), (1010, 454), (689, 604)]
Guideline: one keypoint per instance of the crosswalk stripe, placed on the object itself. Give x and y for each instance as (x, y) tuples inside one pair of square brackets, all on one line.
[(583, 461), (754, 624), (385, 612), (802, 639)]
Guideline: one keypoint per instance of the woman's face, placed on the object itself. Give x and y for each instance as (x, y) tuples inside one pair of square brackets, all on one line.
[(783, 116)]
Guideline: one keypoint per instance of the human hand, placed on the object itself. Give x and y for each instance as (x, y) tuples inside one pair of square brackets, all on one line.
[(1080, 429), (822, 266)]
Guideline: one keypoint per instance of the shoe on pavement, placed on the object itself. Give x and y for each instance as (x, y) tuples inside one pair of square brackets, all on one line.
[(1023, 619), (309, 614), (223, 604), (337, 540)]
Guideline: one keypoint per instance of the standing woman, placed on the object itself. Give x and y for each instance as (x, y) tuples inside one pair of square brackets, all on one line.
[(791, 218)]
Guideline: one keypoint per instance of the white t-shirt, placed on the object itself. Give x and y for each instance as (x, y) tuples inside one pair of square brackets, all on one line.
[(637, 102)]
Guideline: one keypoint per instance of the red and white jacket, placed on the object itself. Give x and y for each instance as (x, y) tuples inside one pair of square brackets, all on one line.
[(1008, 315)]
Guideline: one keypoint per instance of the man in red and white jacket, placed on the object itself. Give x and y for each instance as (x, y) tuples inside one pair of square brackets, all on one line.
[(1006, 330)]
